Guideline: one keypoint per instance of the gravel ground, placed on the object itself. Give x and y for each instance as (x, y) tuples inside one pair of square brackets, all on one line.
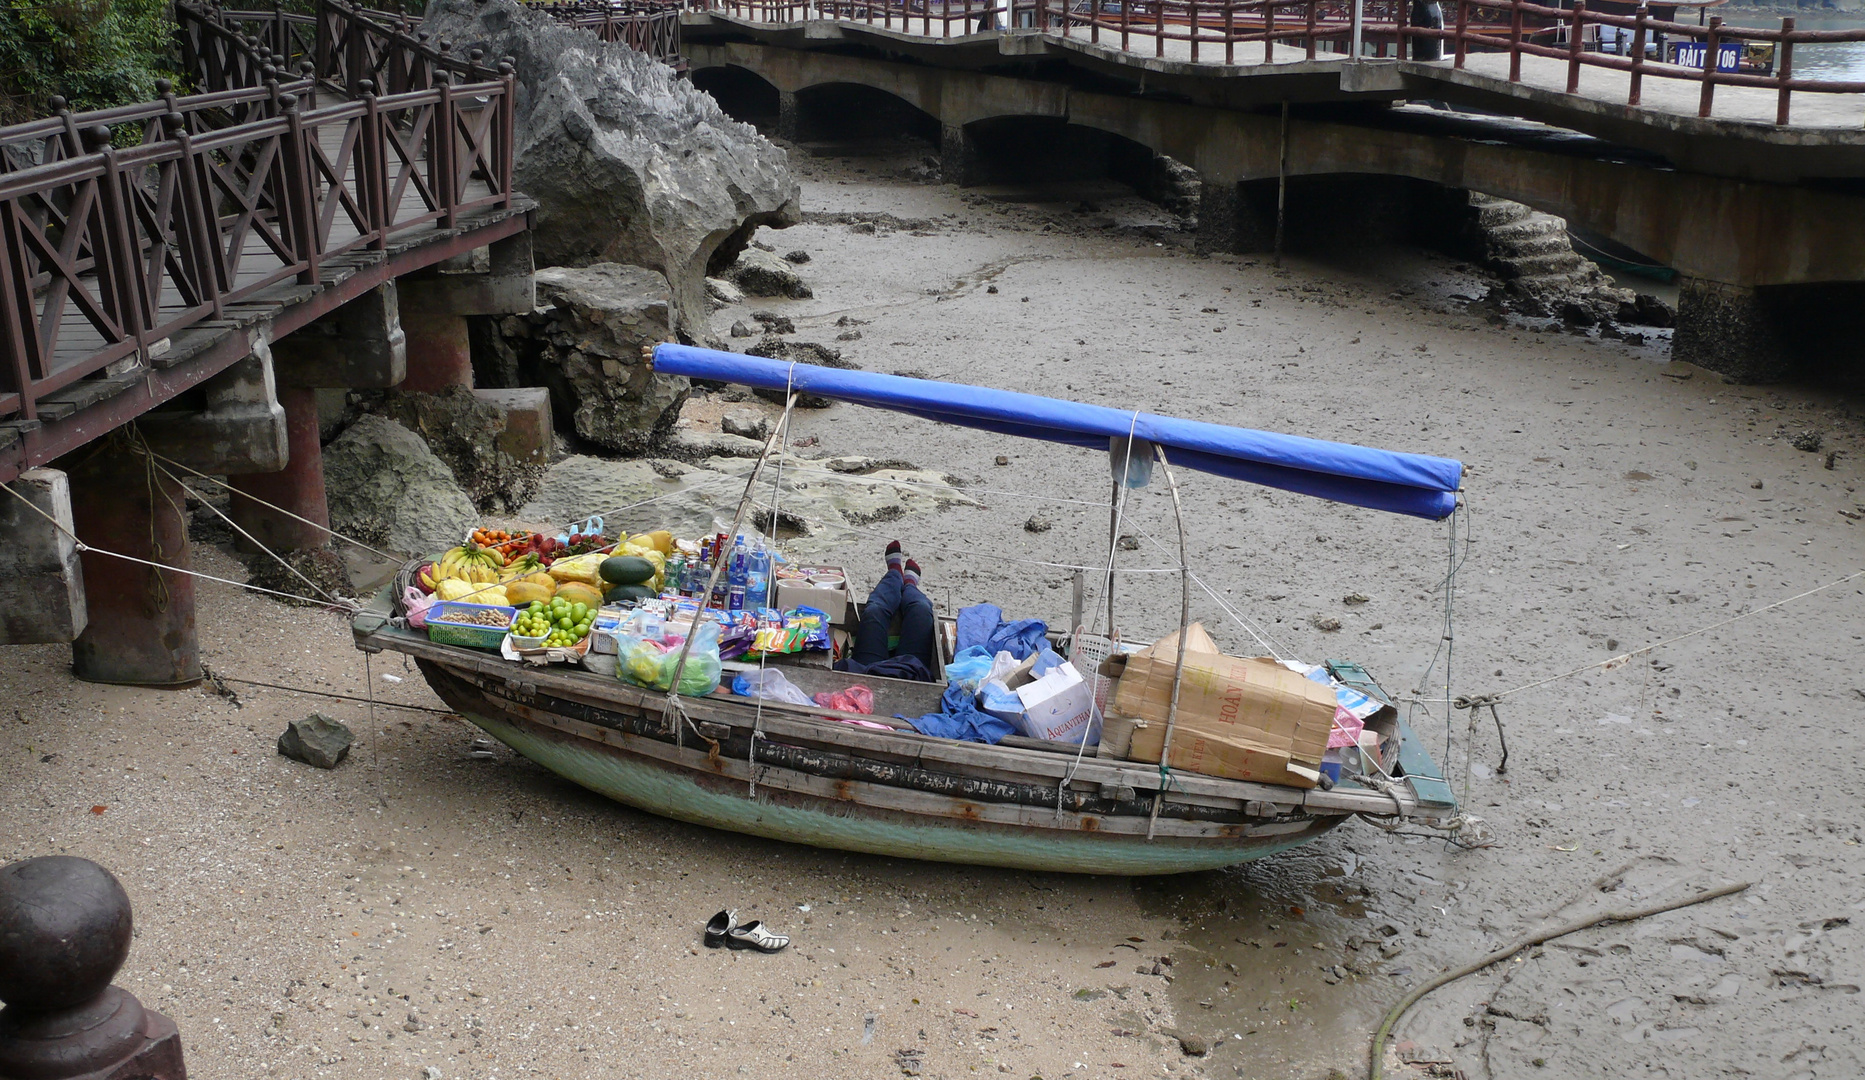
[(419, 907)]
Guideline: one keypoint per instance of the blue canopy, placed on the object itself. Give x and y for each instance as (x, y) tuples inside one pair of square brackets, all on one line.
[(1415, 484)]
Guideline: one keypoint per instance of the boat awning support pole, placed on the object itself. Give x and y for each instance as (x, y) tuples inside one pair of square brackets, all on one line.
[(1185, 618), (674, 713)]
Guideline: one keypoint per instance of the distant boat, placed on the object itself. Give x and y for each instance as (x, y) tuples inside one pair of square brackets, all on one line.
[(813, 779)]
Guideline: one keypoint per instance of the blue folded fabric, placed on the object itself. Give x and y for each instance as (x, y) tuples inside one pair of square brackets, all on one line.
[(959, 718), (894, 667), (983, 625)]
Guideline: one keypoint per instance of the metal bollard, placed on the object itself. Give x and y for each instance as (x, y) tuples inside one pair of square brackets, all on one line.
[(64, 934)]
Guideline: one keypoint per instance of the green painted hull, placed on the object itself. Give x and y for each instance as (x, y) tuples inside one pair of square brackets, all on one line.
[(672, 791)]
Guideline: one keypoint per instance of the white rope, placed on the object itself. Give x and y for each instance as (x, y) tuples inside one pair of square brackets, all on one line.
[(325, 593), (230, 488), (82, 547)]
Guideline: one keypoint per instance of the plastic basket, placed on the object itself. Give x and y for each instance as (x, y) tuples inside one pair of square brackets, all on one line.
[(442, 630)]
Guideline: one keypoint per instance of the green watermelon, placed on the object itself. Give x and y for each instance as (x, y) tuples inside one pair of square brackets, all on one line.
[(628, 594), (626, 570)]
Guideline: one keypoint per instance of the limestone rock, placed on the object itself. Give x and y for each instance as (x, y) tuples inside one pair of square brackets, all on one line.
[(629, 163), (814, 497), (740, 328), (760, 273), (316, 740), (584, 343), (723, 293), (387, 489), (801, 352), (465, 432), (690, 444), (746, 423)]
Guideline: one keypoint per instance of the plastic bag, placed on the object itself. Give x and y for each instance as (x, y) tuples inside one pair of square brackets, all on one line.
[(856, 698), (969, 669), (417, 603), (769, 685), (650, 663)]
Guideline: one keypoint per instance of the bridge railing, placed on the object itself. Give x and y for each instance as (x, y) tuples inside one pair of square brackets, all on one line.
[(1712, 55), (646, 26), (111, 249), (1637, 44)]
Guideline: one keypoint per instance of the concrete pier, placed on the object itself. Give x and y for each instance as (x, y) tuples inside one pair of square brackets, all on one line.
[(298, 487), (141, 628)]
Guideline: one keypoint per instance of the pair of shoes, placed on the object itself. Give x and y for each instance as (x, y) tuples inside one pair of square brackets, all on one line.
[(723, 930)]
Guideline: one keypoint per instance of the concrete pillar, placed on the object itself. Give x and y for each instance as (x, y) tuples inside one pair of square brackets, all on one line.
[(787, 115), (1730, 330), (958, 156), (1229, 222), (141, 620), (440, 353), (241, 429), (298, 487), (361, 344), (41, 582)]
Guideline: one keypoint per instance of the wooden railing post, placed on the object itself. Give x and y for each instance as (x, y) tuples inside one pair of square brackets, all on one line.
[(440, 150), (1784, 70), (297, 199), (111, 245), (1159, 28), (1463, 27), (198, 220), (1575, 43), (1311, 29), (1515, 40), (1638, 54), (372, 168), (508, 128), (1710, 48), (1269, 31)]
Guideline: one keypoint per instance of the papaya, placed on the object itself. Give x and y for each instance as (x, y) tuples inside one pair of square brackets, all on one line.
[(542, 580), (526, 592), (626, 570), (577, 592), (628, 594)]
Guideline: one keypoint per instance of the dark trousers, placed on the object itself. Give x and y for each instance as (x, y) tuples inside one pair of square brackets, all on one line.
[(893, 596)]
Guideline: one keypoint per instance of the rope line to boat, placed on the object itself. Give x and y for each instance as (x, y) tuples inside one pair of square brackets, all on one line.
[(82, 547), (230, 489), (216, 677), (1483, 700), (1261, 634), (235, 526)]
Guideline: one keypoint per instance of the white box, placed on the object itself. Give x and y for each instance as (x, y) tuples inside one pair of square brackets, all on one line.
[(1059, 707)]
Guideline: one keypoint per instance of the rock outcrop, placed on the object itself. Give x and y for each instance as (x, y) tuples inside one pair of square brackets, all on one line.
[(466, 432), (584, 343), (628, 163), (387, 489)]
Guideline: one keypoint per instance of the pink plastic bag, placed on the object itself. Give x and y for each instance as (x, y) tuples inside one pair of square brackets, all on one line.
[(857, 698), (417, 603)]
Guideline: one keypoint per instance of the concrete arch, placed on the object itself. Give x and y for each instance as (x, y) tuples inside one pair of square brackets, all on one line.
[(742, 92), (1773, 234), (854, 110)]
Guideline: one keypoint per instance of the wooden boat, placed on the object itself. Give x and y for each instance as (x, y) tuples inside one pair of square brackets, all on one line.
[(806, 775)]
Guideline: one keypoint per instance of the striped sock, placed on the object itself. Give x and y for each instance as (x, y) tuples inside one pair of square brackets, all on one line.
[(911, 572), (894, 556)]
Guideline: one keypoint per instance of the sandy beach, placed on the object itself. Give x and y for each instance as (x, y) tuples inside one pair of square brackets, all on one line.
[(421, 908)]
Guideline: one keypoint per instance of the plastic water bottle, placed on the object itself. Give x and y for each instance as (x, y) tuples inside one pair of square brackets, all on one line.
[(758, 577), (736, 572)]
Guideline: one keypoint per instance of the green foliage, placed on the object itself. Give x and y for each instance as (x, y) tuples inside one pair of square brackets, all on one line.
[(93, 53)]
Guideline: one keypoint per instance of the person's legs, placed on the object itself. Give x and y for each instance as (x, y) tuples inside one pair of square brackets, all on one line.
[(917, 633), (877, 616)]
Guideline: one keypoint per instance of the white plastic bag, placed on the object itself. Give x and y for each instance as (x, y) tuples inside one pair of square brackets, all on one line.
[(771, 685)]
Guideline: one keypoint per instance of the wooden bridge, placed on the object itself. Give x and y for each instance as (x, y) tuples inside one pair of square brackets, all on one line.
[(144, 244)]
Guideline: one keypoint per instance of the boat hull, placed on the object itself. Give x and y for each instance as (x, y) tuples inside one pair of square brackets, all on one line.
[(712, 798)]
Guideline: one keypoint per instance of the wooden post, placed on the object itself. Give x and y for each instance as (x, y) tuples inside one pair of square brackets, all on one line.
[(1159, 28), (1784, 71), (440, 151), (1230, 31), (1638, 55), (1515, 40), (299, 185), (1311, 29), (1711, 45), (1269, 31), (1463, 24), (1575, 44)]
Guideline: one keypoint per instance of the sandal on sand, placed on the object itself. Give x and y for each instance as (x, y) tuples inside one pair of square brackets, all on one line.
[(752, 935), (719, 927)]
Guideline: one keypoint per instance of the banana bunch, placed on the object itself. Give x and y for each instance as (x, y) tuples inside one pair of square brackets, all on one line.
[(470, 563)]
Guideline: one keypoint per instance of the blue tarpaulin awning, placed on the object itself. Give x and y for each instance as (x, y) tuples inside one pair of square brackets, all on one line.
[(1416, 484)]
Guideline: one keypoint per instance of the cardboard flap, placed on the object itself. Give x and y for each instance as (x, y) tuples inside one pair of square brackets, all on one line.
[(1167, 648)]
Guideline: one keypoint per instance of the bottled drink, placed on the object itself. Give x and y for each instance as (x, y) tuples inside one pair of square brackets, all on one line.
[(758, 577), (737, 572), (675, 580), (721, 559)]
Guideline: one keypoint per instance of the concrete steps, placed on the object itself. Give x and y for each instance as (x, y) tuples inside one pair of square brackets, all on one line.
[(1531, 252)]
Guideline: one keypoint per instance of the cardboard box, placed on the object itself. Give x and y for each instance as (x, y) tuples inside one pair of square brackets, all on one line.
[(1242, 719), (832, 601)]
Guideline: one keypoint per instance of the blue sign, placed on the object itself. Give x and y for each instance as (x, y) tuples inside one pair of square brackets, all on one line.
[(1690, 54)]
